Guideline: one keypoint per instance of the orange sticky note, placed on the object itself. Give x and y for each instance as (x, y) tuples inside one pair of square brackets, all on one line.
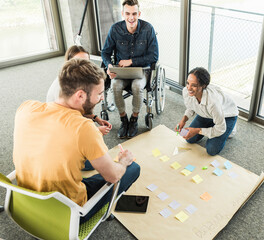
[(181, 216), (206, 196)]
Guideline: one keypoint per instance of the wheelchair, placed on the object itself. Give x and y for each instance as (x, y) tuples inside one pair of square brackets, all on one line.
[(155, 92)]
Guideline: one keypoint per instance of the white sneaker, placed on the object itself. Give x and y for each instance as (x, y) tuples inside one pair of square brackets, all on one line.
[(233, 133)]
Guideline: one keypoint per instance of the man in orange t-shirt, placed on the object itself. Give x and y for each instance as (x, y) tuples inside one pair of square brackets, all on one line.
[(53, 140)]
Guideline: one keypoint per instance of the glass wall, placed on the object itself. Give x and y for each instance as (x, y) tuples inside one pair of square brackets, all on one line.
[(165, 18), (224, 38), (26, 29)]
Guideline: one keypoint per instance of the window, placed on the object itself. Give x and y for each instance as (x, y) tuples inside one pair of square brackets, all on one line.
[(225, 39), (27, 28)]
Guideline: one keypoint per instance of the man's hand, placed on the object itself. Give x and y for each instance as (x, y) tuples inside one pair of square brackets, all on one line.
[(192, 132), (102, 122), (125, 63), (125, 158), (110, 74), (104, 129)]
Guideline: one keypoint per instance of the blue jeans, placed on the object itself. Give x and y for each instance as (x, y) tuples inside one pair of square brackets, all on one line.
[(87, 166), (94, 183), (214, 145)]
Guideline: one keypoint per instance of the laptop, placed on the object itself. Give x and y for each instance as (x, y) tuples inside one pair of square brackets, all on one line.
[(127, 72)]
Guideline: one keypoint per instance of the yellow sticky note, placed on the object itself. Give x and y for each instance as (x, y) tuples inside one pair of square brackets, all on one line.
[(116, 159), (156, 152), (197, 179), (164, 158), (186, 172), (181, 216), (206, 196), (175, 165), (184, 148)]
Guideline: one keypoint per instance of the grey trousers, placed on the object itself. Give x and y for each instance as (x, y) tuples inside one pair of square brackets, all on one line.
[(137, 87)]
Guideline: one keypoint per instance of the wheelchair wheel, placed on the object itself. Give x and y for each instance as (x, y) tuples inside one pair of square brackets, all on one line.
[(160, 90), (104, 115), (149, 120)]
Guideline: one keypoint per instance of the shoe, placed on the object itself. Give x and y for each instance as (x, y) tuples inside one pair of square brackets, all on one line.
[(233, 133), (122, 132), (133, 127)]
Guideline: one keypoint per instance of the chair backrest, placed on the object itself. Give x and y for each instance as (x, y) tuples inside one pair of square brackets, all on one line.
[(39, 213)]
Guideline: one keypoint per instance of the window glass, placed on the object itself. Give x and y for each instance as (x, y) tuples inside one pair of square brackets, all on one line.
[(224, 38), (26, 29)]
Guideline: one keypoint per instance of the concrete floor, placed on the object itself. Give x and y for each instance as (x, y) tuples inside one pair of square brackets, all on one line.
[(31, 81)]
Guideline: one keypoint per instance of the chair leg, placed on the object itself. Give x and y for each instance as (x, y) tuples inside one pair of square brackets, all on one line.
[(1, 208)]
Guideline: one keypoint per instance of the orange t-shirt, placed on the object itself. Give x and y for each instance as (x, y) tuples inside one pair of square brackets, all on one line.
[(51, 144)]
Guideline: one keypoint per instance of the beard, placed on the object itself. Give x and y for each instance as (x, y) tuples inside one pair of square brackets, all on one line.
[(88, 107)]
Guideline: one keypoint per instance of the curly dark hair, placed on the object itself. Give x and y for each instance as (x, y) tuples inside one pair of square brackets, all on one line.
[(202, 75)]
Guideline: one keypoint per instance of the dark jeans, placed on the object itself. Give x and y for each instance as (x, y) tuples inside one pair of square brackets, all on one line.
[(94, 183), (214, 145)]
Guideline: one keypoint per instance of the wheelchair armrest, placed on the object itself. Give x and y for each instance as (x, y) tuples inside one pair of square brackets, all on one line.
[(95, 198), (12, 175)]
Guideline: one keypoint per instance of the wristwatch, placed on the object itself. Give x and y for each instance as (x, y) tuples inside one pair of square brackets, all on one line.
[(95, 116)]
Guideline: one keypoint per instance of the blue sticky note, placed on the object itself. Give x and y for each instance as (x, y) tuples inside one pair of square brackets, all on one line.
[(190, 167), (228, 165), (218, 172)]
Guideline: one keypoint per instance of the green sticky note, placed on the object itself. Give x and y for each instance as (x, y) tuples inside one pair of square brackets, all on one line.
[(205, 167)]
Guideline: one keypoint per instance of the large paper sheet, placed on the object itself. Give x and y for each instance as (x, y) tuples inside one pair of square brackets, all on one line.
[(224, 192)]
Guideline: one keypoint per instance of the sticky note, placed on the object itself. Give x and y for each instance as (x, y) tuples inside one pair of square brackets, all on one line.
[(184, 132), (215, 163), (152, 187), (156, 152), (176, 151), (232, 174), (175, 165), (191, 209), (165, 212), (174, 204), (197, 179), (190, 167), (218, 172), (164, 158), (186, 172), (204, 167), (163, 196), (184, 148), (206, 196), (227, 164), (181, 216)]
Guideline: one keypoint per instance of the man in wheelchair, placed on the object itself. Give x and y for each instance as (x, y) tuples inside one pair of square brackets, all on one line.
[(135, 44)]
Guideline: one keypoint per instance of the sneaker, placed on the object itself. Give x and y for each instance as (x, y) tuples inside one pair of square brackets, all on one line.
[(233, 133), (122, 132), (133, 127)]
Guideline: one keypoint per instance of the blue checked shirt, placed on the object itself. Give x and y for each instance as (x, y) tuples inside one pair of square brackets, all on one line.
[(141, 47)]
